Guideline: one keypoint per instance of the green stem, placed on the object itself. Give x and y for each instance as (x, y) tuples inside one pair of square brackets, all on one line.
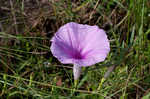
[(101, 83)]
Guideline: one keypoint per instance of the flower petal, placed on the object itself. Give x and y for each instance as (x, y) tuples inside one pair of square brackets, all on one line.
[(95, 46), (79, 44)]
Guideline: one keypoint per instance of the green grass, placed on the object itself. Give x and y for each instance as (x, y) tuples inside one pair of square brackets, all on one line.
[(28, 69)]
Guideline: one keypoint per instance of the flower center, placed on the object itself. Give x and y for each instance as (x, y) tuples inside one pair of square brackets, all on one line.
[(77, 55)]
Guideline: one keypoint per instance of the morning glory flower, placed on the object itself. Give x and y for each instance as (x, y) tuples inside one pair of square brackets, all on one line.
[(80, 45)]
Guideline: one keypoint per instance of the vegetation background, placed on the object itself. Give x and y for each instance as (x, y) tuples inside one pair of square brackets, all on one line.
[(28, 69)]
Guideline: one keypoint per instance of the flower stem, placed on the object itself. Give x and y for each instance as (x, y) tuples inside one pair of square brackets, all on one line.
[(76, 74), (76, 71), (75, 83)]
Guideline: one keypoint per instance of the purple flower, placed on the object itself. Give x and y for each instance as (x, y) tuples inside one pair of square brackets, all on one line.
[(81, 45)]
